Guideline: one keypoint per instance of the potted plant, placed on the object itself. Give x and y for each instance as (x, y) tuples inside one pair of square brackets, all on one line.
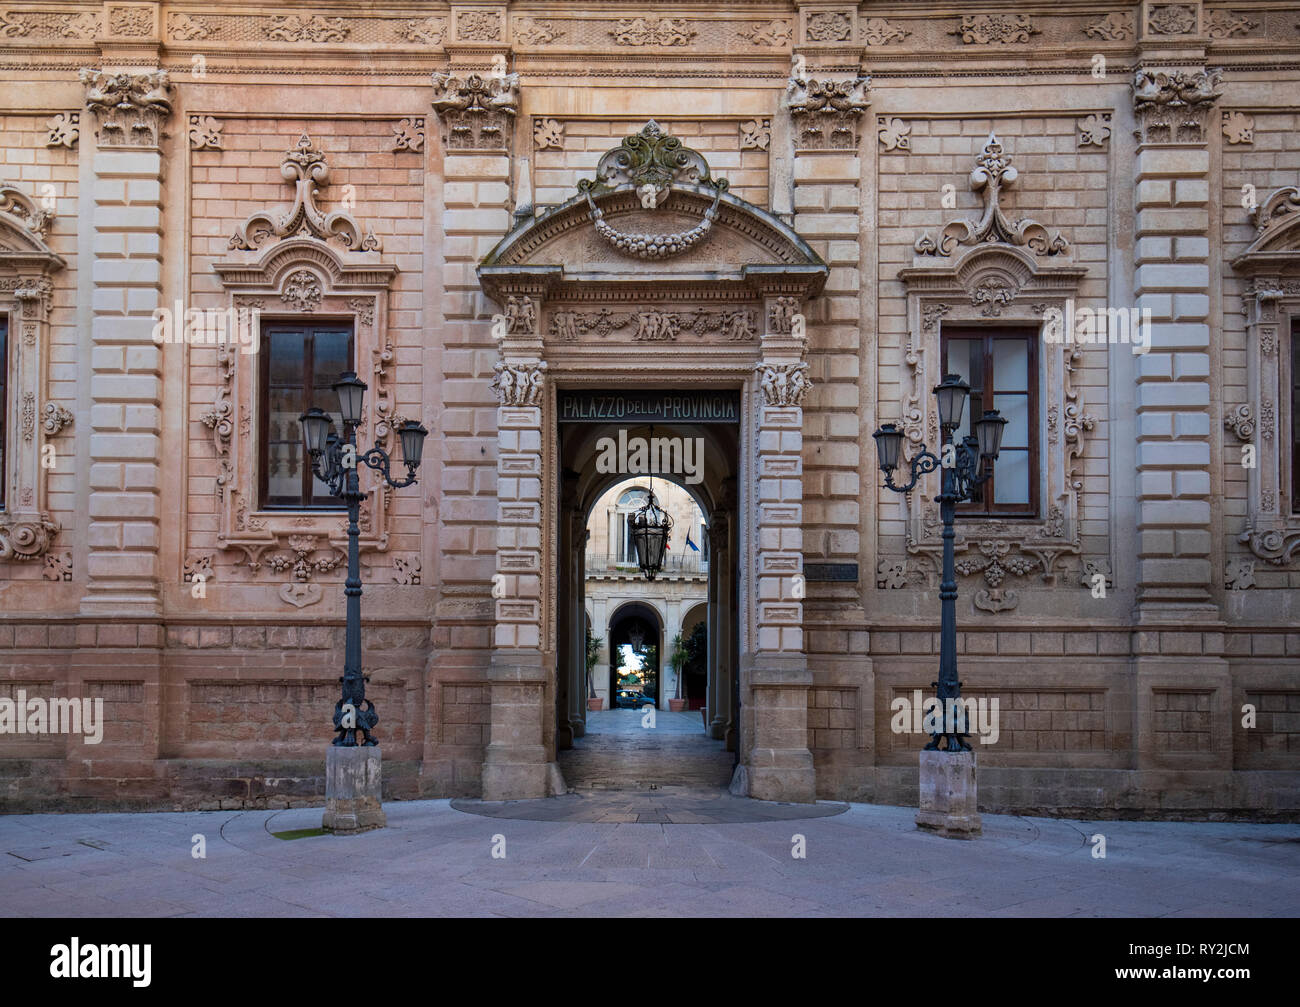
[(594, 702), (678, 660)]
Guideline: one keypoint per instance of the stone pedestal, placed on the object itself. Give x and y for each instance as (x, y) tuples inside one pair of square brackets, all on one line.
[(948, 796), (353, 777)]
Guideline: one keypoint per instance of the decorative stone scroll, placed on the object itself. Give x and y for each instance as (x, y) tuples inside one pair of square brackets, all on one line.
[(306, 168), (826, 113), (27, 264), (478, 111), (1173, 106), (993, 173), (130, 108)]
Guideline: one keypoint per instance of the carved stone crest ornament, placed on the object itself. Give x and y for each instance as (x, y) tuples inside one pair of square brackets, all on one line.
[(306, 168), (477, 110), (825, 113), (992, 174), (1173, 106)]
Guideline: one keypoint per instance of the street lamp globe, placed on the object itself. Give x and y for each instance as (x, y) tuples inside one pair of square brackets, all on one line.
[(889, 445), (988, 431), (316, 425), (952, 393), (650, 527), (412, 436), (351, 391)]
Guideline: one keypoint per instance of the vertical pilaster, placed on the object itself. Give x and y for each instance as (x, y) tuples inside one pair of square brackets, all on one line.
[(126, 365)]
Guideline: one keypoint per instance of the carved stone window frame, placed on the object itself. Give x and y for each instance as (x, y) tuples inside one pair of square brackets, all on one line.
[(991, 284), (297, 278), (1271, 266), (27, 265)]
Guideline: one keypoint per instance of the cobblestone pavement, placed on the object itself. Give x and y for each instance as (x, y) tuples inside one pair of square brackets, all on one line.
[(436, 860), (617, 752)]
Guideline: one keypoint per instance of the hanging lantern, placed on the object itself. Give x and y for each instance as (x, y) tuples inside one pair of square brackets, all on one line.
[(650, 527)]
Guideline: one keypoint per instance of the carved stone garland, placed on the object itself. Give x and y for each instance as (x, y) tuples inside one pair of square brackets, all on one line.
[(26, 265), (651, 161), (1271, 265)]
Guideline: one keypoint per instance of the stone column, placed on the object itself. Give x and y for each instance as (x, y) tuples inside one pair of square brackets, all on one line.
[(122, 573), (1171, 280), (722, 623), (578, 628), (716, 658), (1179, 648), (775, 675)]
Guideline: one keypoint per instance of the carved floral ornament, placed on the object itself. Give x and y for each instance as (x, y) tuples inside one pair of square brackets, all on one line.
[(993, 173), (27, 264), (1271, 268), (306, 168), (478, 111)]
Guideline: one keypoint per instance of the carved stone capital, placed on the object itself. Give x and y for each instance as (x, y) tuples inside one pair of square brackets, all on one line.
[(1173, 106), (130, 108), (478, 112), (826, 113)]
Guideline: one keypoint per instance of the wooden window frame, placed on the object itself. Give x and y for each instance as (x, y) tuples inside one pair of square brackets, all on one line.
[(269, 329), (987, 334)]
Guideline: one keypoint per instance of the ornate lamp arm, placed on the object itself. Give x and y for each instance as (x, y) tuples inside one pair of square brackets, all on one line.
[(378, 460), (924, 462)]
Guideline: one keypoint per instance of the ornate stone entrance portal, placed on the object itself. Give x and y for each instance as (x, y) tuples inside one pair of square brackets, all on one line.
[(653, 276)]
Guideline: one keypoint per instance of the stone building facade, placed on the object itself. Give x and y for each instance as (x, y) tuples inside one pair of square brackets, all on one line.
[(503, 215)]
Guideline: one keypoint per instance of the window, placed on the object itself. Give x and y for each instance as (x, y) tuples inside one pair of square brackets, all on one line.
[(1295, 415), (4, 405), (1001, 367), (299, 364)]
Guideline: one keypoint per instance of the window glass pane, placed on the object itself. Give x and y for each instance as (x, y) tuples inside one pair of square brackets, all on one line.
[(1011, 477), (1011, 365), (330, 359), (1015, 409), (1295, 415), (4, 403), (284, 404)]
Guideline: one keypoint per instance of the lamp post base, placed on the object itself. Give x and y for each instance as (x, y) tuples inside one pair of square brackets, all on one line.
[(948, 795), (353, 779)]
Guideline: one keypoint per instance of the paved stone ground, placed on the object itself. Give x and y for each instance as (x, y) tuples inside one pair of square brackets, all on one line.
[(618, 753), (436, 860), (665, 805)]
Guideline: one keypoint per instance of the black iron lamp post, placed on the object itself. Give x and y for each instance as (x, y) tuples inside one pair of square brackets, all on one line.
[(334, 461), (966, 465), (650, 527)]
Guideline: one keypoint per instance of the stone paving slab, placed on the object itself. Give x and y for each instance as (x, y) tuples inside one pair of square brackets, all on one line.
[(666, 805), (436, 860)]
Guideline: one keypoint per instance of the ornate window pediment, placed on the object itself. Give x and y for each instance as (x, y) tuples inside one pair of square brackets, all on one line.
[(1271, 265), (1013, 273), (27, 264), (300, 276)]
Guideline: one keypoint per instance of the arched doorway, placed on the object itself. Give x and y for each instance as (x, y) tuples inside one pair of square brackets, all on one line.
[(652, 268), (636, 646)]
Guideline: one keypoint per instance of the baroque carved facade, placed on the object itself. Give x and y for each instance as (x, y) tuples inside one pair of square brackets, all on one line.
[(500, 205)]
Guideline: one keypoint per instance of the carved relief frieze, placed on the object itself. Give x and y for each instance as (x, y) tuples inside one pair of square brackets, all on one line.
[(478, 26), (1172, 19), (995, 29), (877, 31), (783, 384), (993, 174), (1115, 27), (313, 28), (829, 26), (1221, 24), (1173, 106), (826, 113), (537, 31), (32, 25), (652, 31), (519, 383), (27, 263), (478, 112), (308, 171), (130, 109), (774, 34)]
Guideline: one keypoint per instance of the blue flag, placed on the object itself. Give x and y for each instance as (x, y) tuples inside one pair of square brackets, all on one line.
[(691, 545)]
